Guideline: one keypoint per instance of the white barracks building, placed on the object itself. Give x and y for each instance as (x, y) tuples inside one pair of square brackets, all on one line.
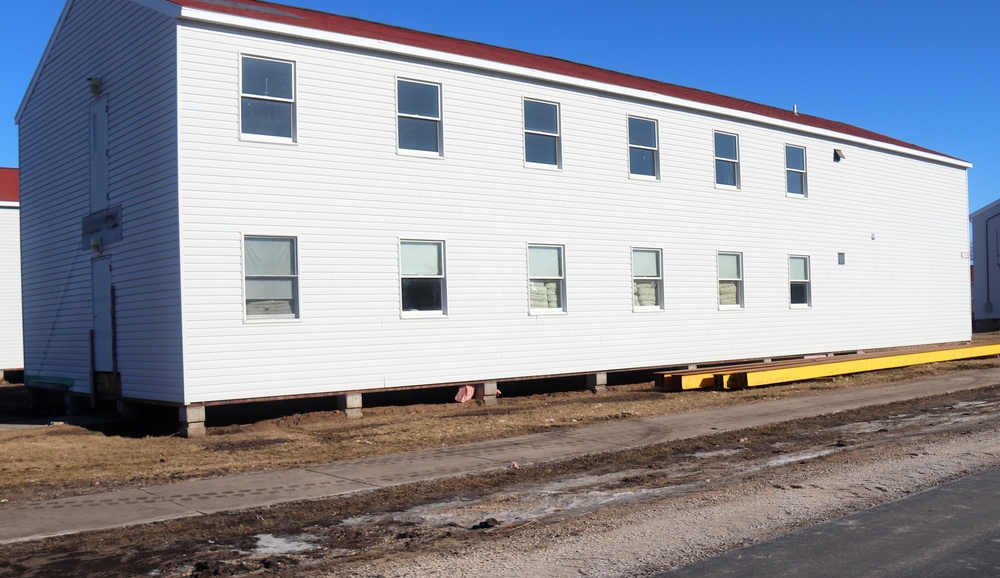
[(236, 200)]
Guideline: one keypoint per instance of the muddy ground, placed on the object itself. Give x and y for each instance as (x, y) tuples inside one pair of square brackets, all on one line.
[(619, 514)]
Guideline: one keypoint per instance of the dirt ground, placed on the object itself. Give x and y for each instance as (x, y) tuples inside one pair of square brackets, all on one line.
[(410, 530), (62, 460)]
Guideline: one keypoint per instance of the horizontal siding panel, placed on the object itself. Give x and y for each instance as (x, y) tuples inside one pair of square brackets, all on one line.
[(348, 197), (12, 344), (135, 57)]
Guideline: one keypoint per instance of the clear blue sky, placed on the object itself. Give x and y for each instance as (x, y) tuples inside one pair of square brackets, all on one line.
[(927, 72)]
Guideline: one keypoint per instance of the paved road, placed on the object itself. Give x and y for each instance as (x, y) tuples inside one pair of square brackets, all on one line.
[(19, 522), (947, 531)]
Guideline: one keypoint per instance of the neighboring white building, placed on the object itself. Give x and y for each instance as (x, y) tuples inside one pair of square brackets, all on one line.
[(236, 200), (11, 351), (986, 280)]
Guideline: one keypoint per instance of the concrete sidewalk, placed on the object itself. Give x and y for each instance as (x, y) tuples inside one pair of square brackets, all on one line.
[(33, 521)]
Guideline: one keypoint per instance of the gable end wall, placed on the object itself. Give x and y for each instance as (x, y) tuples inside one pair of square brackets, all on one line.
[(132, 49)]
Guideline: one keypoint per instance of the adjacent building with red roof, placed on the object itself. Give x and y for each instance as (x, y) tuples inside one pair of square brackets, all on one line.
[(8, 185), (11, 354), (220, 190)]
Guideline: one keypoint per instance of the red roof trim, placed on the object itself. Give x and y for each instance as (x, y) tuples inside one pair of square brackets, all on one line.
[(8, 185), (302, 17)]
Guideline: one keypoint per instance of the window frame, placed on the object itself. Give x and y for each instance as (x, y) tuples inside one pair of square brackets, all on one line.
[(295, 277), (807, 283), (293, 101), (739, 281), (734, 161), (556, 136), (438, 120), (636, 306), (561, 280), (803, 171), (442, 276), (655, 148)]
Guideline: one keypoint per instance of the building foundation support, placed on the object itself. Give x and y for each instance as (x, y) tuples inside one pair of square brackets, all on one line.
[(350, 404), (597, 382), (486, 392), (192, 418)]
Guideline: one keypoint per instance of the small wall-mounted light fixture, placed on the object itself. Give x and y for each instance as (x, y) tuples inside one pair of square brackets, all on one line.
[(96, 245), (841, 258), (95, 85), (838, 155), (873, 236)]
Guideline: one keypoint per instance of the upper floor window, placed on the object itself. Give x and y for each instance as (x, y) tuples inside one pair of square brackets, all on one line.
[(419, 107), (546, 282), (795, 170), (798, 280), (643, 155), (727, 160), (267, 98), (541, 133), (422, 275), (730, 280), (647, 279), (271, 277)]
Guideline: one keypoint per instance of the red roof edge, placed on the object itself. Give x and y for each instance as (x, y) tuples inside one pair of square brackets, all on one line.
[(302, 17), (8, 185)]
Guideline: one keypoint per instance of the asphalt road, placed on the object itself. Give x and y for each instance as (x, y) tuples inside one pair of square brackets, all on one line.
[(947, 531)]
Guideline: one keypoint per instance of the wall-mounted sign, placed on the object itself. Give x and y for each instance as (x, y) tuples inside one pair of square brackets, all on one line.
[(102, 228)]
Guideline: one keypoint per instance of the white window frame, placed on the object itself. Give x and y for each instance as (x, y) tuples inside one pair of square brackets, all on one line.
[(557, 135), (442, 277), (807, 282), (439, 120), (805, 179), (734, 161), (636, 279), (738, 281), (561, 280), (249, 136), (295, 277), (655, 149)]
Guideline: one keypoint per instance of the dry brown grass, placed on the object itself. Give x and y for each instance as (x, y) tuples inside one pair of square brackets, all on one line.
[(63, 460)]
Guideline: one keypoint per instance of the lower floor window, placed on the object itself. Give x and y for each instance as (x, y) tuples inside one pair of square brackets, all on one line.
[(730, 279), (646, 278), (422, 275), (272, 282), (799, 284), (546, 283)]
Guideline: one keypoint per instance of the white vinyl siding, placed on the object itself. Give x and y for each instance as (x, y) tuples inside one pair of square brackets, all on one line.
[(350, 198), (11, 356), (134, 53), (189, 191)]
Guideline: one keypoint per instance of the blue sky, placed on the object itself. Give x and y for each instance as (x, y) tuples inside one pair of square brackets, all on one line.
[(927, 72)]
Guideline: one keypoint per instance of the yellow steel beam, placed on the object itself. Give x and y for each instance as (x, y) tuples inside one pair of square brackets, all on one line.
[(827, 368), (697, 381), (685, 380)]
